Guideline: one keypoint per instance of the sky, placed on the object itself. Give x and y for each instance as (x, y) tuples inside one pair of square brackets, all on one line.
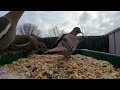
[(92, 23)]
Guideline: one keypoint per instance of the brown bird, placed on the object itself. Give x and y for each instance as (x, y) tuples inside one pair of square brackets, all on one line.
[(8, 25), (26, 43), (66, 44)]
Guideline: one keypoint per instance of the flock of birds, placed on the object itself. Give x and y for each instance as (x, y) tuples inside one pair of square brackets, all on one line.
[(9, 41)]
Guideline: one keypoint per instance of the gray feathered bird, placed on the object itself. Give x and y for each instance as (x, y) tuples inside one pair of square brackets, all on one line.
[(8, 25), (66, 44)]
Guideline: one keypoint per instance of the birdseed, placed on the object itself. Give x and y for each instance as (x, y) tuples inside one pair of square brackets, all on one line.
[(56, 67)]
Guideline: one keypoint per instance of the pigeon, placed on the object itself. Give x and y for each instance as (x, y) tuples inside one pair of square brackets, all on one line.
[(66, 44), (8, 25)]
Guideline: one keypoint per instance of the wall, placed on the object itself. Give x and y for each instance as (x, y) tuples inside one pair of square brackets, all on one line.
[(97, 43), (114, 42), (117, 37)]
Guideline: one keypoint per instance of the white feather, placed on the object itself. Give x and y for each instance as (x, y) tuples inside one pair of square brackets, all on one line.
[(22, 45), (5, 30)]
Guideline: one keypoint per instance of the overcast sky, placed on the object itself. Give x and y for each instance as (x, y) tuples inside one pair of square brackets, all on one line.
[(92, 23)]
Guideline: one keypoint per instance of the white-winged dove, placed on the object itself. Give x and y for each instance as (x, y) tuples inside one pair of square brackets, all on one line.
[(8, 25), (27, 43), (66, 44)]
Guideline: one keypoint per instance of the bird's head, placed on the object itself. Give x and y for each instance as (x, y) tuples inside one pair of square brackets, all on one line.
[(77, 30)]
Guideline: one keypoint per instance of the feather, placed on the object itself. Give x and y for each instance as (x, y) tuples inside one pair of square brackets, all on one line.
[(58, 40), (4, 26), (5, 30), (22, 45)]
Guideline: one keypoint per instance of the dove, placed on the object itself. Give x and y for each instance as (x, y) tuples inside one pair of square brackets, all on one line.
[(27, 43), (66, 44), (8, 25)]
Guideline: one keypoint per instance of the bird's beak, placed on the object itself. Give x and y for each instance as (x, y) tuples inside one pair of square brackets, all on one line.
[(81, 32)]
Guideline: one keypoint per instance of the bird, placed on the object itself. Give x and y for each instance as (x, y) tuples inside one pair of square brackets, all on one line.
[(27, 43), (66, 44), (8, 24)]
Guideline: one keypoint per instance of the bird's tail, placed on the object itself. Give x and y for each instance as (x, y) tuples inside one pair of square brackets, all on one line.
[(55, 50)]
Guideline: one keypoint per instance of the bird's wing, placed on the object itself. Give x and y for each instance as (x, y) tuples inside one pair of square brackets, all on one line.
[(21, 45), (71, 42), (76, 44), (4, 26), (58, 40)]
